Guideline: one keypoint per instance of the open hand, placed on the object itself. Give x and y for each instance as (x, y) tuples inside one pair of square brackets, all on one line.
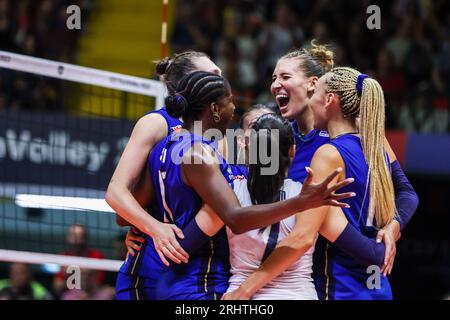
[(314, 195), (134, 241), (389, 235), (164, 237)]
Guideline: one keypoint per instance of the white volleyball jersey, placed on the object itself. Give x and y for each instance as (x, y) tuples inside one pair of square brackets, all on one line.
[(248, 249)]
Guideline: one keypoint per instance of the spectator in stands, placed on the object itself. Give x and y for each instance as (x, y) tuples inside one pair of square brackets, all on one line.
[(89, 289), (77, 242), (400, 44), (417, 114), (6, 39), (277, 38), (411, 48), (21, 286), (189, 33), (390, 78)]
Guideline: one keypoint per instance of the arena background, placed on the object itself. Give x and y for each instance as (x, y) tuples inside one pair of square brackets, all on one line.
[(409, 55)]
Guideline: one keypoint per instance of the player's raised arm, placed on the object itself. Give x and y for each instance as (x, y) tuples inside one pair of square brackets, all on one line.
[(207, 180)]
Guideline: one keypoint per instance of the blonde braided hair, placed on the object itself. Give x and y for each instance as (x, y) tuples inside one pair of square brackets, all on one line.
[(369, 106)]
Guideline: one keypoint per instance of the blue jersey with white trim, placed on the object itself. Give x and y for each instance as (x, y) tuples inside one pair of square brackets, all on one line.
[(304, 151), (337, 275), (207, 271), (146, 263), (173, 124)]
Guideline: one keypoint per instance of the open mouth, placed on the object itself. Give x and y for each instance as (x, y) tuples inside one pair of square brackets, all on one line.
[(282, 100)]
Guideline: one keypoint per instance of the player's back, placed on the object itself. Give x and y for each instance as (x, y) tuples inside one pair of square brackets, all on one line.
[(140, 272), (248, 250), (336, 274)]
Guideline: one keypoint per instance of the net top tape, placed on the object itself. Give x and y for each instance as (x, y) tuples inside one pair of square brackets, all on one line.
[(44, 258), (85, 75)]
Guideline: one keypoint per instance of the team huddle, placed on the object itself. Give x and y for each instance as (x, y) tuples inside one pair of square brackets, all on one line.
[(207, 227)]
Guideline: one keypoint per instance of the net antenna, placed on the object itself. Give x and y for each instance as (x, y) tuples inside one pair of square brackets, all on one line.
[(165, 20)]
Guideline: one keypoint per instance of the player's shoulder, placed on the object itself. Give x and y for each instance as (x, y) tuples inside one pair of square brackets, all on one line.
[(327, 151), (151, 119), (327, 154), (198, 152)]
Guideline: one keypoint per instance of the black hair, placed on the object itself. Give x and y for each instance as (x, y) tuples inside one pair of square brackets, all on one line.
[(255, 107), (175, 67), (194, 92), (265, 189)]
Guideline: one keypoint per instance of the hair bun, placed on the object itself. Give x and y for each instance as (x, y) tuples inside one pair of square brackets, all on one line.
[(163, 65), (323, 55), (176, 105)]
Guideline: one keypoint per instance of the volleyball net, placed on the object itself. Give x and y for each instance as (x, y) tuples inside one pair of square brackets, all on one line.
[(63, 128)]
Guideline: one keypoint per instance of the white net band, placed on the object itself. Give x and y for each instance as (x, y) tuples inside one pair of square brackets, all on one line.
[(71, 72), (61, 260)]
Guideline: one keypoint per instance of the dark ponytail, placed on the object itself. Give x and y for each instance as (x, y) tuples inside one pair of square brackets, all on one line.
[(265, 189)]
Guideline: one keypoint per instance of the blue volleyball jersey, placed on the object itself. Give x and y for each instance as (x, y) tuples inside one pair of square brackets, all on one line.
[(206, 274), (304, 151), (337, 275), (173, 124), (240, 171), (146, 263)]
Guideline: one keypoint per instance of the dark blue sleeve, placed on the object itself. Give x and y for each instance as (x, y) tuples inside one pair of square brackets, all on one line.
[(363, 249), (406, 199), (194, 237)]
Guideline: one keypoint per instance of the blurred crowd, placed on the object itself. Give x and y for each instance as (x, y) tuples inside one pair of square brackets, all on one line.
[(24, 284), (37, 28), (409, 55)]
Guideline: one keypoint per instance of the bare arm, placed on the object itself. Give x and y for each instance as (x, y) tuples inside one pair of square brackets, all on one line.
[(207, 180), (330, 222), (148, 131), (301, 238), (142, 193), (131, 176)]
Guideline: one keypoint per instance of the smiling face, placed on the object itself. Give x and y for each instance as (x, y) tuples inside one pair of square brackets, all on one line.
[(290, 87)]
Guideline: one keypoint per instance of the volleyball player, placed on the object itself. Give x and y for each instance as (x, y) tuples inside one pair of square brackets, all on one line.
[(248, 250), (181, 187), (293, 83), (340, 97), (129, 189)]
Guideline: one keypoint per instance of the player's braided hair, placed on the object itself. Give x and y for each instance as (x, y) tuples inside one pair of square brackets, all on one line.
[(194, 92), (363, 97)]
